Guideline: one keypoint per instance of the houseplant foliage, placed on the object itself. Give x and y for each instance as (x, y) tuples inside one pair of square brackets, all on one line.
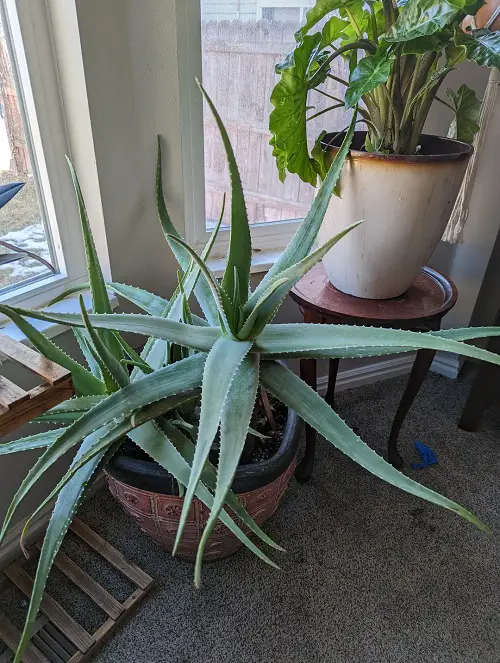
[(228, 353), (398, 55)]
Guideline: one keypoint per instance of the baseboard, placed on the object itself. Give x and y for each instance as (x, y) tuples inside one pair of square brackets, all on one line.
[(377, 370), (10, 549), (447, 365)]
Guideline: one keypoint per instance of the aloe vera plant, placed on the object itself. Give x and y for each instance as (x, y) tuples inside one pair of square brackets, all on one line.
[(226, 356), (398, 54)]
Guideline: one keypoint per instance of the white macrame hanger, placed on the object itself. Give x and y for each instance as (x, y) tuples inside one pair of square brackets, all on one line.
[(453, 233)]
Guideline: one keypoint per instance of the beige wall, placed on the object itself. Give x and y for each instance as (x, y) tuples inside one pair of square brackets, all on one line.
[(129, 56)]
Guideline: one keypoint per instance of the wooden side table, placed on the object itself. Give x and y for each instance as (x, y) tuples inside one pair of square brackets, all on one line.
[(421, 308)]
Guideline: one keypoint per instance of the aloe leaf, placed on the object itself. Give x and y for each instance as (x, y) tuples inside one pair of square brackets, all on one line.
[(84, 382), (209, 478), (147, 301), (114, 374), (220, 368), (467, 333), (484, 49), (198, 338), (371, 71), (79, 404), (81, 287), (157, 445), (100, 299), (306, 340), (64, 510), (179, 378), (38, 441), (467, 106), (202, 291), (253, 316), (234, 424), (268, 306), (84, 342), (297, 395), (303, 240), (240, 245)]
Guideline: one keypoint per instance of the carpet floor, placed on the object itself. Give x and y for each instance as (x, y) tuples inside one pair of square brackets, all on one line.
[(371, 574)]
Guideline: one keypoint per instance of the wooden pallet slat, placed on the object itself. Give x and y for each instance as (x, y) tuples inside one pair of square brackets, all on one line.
[(10, 393), (12, 636), (32, 360), (114, 557), (52, 609)]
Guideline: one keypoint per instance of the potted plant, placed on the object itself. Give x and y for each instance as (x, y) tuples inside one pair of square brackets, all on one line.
[(222, 360), (403, 183)]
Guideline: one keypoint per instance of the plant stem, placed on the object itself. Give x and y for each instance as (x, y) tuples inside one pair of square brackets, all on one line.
[(338, 79), (325, 110), (361, 44), (330, 96), (445, 103), (374, 22), (354, 23)]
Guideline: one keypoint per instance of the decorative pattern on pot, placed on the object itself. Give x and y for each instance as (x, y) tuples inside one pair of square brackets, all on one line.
[(405, 202), (158, 515)]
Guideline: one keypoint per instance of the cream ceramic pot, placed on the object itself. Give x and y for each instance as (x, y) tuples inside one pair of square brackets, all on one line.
[(405, 202)]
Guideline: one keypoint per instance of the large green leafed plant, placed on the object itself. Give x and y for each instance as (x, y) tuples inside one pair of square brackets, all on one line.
[(221, 359), (398, 55)]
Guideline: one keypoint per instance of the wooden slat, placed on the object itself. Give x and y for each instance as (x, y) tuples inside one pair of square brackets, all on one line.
[(114, 557), (32, 360), (11, 636), (10, 393), (87, 584), (54, 611)]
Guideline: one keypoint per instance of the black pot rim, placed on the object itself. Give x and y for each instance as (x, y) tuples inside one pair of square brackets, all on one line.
[(150, 476), (435, 149)]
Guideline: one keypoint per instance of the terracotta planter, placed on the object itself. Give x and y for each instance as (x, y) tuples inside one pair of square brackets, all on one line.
[(405, 202), (260, 488)]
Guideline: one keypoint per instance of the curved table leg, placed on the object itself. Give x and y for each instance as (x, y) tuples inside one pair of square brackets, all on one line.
[(420, 368), (305, 467)]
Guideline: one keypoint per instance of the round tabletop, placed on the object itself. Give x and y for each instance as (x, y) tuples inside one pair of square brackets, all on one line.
[(431, 295)]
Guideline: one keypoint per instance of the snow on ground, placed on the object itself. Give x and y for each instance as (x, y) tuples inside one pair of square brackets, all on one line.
[(32, 238)]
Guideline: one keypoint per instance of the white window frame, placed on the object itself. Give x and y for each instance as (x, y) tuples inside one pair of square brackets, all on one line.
[(40, 68), (269, 238)]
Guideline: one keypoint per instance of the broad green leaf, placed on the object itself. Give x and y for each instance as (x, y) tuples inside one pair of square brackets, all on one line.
[(65, 508), (84, 382), (318, 12), (234, 424), (455, 55), (467, 110), (192, 336), (38, 441), (157, 445), (287, 121), (310, 340), (419, 18), (202, 291), (297, 395), (84, 343), (372, 71), (268, 305), (220, 368), (321, 158), (209, 477), (422, 45), (179, 378), (114, 374), (331, 30), (484, 50), (240, 248), (100, 299), (304, 238)]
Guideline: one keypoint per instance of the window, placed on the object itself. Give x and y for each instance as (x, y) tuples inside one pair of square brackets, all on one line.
[(241, 42), (34, 141)]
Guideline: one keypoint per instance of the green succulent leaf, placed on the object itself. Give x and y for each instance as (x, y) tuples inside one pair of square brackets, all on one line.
[(84, 343), (484, 49), (38, 441), (297, 395), (240, 247), (287, 121), (304, 238), (467, 111), (419, 18), (221, 366), (234, 424), (372, 71)]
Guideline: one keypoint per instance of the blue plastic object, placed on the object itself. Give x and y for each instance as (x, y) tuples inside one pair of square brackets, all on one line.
[(427, 454)]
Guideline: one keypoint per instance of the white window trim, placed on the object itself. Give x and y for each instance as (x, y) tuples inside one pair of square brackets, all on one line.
[(55, 101), (268, 239)]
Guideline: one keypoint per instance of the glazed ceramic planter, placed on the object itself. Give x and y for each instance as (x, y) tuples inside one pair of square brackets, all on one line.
[(405, 203), (147, 493)]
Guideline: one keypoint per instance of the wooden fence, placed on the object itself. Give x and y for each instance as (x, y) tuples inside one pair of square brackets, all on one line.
[(239, 58)]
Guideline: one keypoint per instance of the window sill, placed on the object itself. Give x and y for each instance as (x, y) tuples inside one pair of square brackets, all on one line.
[(262, 261), (52, 329)]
